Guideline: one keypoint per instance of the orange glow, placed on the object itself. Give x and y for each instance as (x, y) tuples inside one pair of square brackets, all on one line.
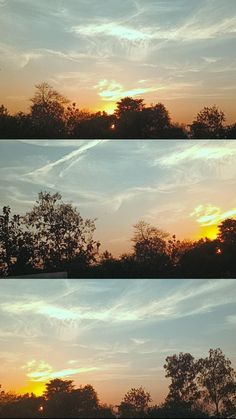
[(113, 126), (109, 107), (33, 387), (210, 232)]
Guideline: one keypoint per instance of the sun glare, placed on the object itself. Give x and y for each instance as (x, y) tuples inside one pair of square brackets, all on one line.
[(210, 232), (109, 108), (33, 387)]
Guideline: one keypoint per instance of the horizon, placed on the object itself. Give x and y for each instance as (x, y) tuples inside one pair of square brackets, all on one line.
[(84, 331), (183, 187), (180, 53)]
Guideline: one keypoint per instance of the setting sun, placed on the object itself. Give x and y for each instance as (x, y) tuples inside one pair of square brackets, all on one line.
[(33, 387), (208, 231)]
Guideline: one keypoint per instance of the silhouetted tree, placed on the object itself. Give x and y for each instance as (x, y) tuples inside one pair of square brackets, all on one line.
[(150, 248), (230, 132), (217, 379), (58, 386), (209, 123), (183, 390), (135, 403), (156, 121), (149, 241), (16, 245), (47, 111), (227, 231), (129, 118), (128, 104), (96, 125), (60, 233), (202, 260)]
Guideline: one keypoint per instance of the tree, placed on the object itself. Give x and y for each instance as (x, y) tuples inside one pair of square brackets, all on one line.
[(182, 371), (209, 123), (63, 400), (135, 403), (88, 398), (227, 246), (202, 260), (230, 131), (156, 122), (16, 245), (58, 386), (96, 125), (7, 124), (129, 118), (47, 111), (61, 235), (217, 379), (227, 231), (149, 241), (176, 249), (73, 117), (128, 104)]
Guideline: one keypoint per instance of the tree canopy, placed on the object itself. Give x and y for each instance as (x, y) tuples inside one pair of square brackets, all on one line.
[(199, 388), (52, 115), (53, 236)]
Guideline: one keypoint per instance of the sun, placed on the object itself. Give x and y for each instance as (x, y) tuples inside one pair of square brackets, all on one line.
[(210, 232), (33, 387), (110, 108)]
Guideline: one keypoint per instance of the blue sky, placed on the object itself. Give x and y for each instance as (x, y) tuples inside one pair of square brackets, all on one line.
[(183, 187), (113, 334), (180, 52)]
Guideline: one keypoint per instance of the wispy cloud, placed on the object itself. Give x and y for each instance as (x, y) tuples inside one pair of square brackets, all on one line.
[(208, 215), (202, 151), (40, 371), (68, 159), (113, 91), (111, 29)]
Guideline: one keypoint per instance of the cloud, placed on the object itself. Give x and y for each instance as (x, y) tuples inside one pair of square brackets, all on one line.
[(208, 215), (111, 29), (204, 151), (40, 371), (71, 158), (130, 307), (113, 91)]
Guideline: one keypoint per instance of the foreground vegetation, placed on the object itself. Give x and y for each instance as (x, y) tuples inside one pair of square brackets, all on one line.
[(199, 388), (52, 115), (53, 237)]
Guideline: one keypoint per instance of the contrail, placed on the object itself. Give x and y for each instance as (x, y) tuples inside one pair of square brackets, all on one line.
[(74, 155)]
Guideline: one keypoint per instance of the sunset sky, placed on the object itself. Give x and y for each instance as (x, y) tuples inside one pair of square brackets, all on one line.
[(179, 52), (183, 187), (113, 334)]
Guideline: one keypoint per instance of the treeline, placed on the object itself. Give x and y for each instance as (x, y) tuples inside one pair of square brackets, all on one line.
[(199, 388), (54, 237), (51, 115)]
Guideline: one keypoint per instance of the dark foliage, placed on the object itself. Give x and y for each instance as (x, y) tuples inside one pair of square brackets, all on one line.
[(52, 116), (53, 237), (203, 388)]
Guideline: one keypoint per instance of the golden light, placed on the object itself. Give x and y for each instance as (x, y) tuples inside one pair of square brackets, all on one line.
[(109, 107), (218, 251), (113, 126), (210, 232), (34, 387), (40, 409)]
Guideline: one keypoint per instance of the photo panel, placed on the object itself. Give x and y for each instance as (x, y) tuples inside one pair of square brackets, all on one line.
[(115, 348), (118, 208)]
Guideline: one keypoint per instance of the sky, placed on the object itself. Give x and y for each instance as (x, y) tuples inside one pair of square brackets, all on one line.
[(112, 334), (179, 52), (182, 187)]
